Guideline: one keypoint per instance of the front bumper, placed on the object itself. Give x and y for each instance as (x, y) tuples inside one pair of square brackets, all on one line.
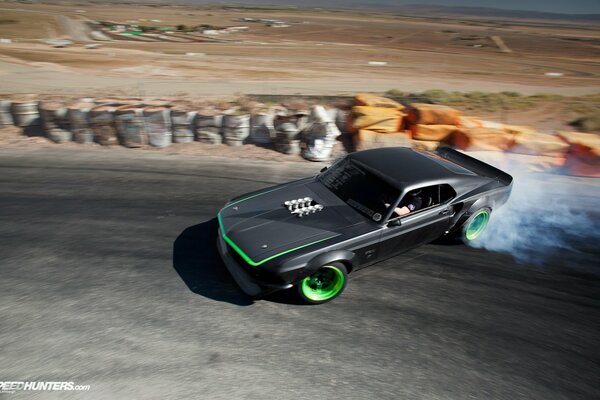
[(249, 284)]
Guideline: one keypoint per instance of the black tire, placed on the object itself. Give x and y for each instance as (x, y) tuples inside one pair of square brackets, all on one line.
[(475, 225), (327, 283)]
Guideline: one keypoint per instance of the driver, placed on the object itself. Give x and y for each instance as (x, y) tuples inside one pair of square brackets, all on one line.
[(412, 202)]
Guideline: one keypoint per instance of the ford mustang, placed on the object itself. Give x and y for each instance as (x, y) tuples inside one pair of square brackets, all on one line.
[(368, 206)]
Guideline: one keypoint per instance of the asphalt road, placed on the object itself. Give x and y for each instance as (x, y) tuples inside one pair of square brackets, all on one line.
[(109, 277)]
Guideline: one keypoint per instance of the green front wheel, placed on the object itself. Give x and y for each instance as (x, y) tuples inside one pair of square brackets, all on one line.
[(325, 284)]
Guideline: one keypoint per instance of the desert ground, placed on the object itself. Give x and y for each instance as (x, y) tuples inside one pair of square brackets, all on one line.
[(319, 52)]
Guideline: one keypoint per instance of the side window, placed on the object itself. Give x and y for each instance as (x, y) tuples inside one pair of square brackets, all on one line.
[(424, 198), (446, 193)]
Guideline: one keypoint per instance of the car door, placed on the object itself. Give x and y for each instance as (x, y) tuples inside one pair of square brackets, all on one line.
[(414, 230)]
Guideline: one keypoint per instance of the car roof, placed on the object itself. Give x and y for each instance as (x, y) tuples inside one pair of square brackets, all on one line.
[(406, 167)]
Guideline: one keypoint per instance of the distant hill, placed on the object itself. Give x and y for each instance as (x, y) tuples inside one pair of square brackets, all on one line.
[(396, 6), (438, 11)]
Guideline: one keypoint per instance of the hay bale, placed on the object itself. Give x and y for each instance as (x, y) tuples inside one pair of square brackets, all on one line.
[(491, 124), (482, 139), (365, 99), (535, 143), (432, 114), (470, 122), (428, 145), (376, 112), (376, 119), (368, 139), (390, 125), (587, 145), (431, 132), (583, 157), (518, 129)]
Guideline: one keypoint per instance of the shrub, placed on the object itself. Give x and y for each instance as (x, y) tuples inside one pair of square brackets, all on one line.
[(590, 123)]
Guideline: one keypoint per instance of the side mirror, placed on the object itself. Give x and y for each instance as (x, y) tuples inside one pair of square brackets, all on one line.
[(395, 222), (324, 169)]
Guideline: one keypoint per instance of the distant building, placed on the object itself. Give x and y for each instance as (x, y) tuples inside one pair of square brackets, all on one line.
[(279, 25), (236, 28)]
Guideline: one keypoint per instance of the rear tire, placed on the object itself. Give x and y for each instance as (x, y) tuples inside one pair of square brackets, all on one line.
[(475, 225), (324, 285)]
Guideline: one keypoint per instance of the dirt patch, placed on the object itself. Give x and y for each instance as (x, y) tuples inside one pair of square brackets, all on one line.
[(335, 46), (27, 23)]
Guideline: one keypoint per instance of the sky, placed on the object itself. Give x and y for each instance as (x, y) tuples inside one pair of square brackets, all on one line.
[(555, 6)]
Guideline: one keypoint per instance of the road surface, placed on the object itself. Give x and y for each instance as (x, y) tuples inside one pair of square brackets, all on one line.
[(110, 278)]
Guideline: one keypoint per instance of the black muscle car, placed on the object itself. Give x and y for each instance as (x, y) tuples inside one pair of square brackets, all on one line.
[(313, 232)]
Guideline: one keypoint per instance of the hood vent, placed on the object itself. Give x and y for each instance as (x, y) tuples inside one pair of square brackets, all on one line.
[(303, 207)]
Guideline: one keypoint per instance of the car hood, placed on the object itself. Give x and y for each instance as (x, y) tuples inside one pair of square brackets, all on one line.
[(260, 227)]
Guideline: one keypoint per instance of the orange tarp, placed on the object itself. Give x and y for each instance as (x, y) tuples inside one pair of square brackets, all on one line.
[(433, 114), (432, 132)]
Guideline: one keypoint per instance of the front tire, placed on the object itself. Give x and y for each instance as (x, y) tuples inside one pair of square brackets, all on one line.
[(324, 285), (475, 225)]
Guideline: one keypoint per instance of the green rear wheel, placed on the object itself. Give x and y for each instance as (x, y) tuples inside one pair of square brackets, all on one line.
[(324, 285), (476, 224)]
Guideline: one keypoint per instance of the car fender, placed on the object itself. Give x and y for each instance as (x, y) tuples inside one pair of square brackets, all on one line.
[(344, 256), (478, 204), (468, 210)]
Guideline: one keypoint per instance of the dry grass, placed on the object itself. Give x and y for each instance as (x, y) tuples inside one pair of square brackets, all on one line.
[(588, 123), (497, 101)]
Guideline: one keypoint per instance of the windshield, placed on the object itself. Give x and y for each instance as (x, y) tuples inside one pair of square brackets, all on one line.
[(360, 189)]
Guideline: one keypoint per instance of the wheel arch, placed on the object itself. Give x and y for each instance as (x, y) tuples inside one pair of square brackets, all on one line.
[(467, 209), (345, 257), (483, 202)]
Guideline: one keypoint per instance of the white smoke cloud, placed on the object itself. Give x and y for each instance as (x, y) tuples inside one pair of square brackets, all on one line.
[(547, 219)]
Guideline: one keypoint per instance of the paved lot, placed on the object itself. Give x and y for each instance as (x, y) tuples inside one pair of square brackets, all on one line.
[(109, 277)]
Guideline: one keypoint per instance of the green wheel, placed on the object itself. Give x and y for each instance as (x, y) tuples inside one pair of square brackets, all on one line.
[(476, 224), (325, 284)]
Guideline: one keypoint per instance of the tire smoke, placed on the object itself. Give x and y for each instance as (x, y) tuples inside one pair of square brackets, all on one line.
[(547, 219)]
